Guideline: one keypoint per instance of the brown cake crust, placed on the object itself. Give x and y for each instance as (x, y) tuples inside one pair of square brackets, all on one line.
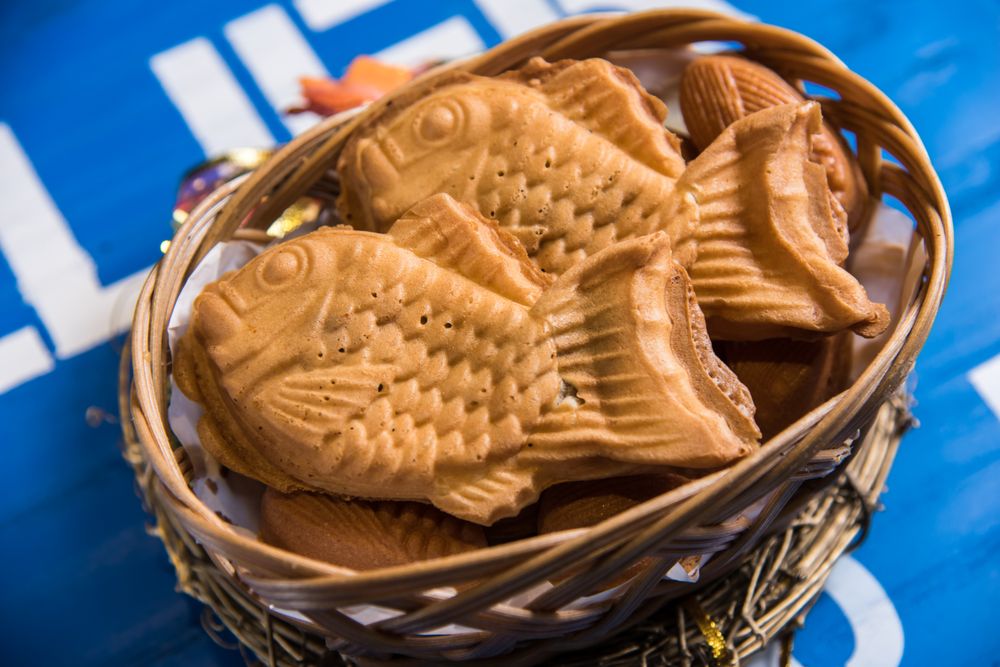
[(788, 378), (363, 535), (716, 91)]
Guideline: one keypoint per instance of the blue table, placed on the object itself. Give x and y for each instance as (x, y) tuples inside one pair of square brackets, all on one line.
[(101, 111)]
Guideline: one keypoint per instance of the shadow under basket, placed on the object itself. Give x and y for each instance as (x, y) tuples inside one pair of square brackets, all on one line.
[(815, 484)]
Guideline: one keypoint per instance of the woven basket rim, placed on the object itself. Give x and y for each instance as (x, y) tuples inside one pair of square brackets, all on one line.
[(862, 109)]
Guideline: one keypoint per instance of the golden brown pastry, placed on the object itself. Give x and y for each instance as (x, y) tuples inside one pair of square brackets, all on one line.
[(631, 342), (788, 378), (572, 157), (433, 363), (363, 535), (716, 91), (769, 248), (585, 504)]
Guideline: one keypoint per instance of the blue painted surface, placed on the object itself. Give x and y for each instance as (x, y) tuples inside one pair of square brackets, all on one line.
[(81, 582)]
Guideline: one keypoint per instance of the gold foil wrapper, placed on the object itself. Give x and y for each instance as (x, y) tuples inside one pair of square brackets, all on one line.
[(302, 212), (721, 655)]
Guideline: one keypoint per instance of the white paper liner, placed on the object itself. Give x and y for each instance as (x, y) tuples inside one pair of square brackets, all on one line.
[(883, 264)]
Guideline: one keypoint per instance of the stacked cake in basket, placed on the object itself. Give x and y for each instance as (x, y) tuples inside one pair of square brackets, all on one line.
[(541, 307)]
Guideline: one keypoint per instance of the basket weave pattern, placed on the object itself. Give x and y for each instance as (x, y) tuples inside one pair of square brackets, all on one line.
[(763, 571)]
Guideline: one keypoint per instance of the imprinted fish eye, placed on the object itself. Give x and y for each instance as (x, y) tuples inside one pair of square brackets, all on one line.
[(439, 122), (283, 266)]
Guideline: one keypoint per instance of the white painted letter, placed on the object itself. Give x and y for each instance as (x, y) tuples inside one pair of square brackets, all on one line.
[(22, 357), (276, 54), (323, 14), (209, 98), (512, 17), (54, 274), (453, 38)]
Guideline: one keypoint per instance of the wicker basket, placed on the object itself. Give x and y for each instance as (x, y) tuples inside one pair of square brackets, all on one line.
[(763, 571)]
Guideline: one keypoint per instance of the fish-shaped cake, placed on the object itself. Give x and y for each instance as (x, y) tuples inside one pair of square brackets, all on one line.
[(788, 378), (572, 157), (569, 158), (363, 535), (436, 363), (583, 504)]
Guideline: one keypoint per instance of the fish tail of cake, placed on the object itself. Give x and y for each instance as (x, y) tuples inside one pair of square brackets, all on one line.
[(498, 494), (771, 238), (635, 388)]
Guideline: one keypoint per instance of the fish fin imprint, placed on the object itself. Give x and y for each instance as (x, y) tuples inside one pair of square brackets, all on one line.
[(609, 101), (768, 245), (502, 492), (314, 407), (363, 535), (455, 236), (222, 435), (631, 343)]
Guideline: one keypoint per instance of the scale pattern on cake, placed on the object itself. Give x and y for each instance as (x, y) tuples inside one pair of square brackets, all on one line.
[(363, 535)]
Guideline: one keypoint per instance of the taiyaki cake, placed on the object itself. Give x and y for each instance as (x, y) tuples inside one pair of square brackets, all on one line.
[(572, 157), (716, 91), (435, 363), (584, 504), (569, 158), (363, 535), (787, 378)]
